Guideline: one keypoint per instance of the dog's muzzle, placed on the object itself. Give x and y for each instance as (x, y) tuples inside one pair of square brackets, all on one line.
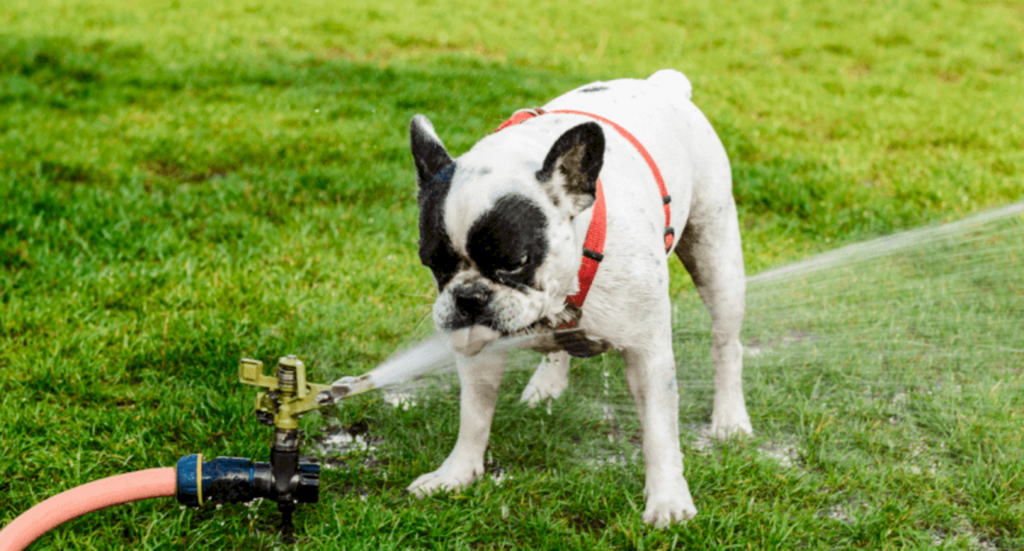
[(471, 301)]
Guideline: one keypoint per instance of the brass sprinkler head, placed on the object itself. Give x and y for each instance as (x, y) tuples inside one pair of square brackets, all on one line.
[(288, 395)]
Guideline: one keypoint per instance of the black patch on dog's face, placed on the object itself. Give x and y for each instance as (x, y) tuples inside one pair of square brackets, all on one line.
[(434, 170), (509, 242), (436, 251)]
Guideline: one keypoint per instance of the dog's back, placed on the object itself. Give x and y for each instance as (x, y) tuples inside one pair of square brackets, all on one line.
[(683, 144)]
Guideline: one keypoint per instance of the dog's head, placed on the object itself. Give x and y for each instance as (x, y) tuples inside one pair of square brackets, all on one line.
[(496, 225)]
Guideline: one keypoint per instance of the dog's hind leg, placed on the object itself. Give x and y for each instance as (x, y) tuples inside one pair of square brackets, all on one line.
[(550, 379), (479, 379), (710, 250)]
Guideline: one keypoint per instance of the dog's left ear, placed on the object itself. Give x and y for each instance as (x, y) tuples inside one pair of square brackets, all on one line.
[(571, 168), (427, 150)]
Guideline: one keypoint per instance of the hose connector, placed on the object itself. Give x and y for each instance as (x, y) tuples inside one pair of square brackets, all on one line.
[(239, 480)]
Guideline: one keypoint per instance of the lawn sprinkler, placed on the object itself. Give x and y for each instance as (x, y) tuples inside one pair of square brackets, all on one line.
[(287, 479)]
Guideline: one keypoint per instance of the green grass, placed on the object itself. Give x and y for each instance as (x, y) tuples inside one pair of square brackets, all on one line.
[(183, 184)]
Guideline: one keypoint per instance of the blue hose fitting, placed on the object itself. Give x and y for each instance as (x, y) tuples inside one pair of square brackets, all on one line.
[(239, 480)]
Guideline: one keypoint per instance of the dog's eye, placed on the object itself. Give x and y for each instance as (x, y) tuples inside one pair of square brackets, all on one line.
[(517, 268)]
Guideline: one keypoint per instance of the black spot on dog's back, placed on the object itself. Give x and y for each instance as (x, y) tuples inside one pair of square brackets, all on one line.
[(500, 239), (596, 88)]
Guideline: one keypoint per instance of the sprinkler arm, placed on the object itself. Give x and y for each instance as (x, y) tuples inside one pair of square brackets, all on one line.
[(306, 397), (282, 406)]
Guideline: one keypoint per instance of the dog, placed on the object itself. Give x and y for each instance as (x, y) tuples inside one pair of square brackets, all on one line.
[(589, 195)]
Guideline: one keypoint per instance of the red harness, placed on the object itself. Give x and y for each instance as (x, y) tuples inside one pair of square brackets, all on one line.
[(593, 246)]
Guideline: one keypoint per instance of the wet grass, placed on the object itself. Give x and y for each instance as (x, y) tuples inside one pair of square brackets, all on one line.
[(182, 185)]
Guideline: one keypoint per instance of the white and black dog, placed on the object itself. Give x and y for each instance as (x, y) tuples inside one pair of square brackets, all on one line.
[(505, 229)]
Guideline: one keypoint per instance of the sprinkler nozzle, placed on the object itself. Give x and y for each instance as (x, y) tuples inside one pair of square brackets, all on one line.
[(344, 388)]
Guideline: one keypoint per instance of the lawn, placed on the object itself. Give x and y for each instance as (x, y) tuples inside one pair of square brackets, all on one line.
[(183, 184)]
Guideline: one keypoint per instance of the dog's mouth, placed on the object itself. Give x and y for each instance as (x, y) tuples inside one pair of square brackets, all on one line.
[(469, 341)]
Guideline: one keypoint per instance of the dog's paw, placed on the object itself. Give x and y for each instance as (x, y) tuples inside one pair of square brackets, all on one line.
[(549, 381), (727, 422), (446, 479), (538, 391), (664, 510)]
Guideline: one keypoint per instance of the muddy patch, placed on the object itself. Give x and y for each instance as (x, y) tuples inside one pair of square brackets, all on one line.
[(343, 447)]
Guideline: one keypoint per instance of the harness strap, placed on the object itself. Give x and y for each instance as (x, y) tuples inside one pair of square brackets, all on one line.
[(519, 116), (593, 248)]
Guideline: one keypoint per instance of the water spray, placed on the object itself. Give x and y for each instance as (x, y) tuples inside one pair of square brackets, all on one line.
[(431, 355)]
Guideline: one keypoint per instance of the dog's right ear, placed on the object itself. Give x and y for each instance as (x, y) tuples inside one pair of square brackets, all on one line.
[(427, 150), (570, 171)]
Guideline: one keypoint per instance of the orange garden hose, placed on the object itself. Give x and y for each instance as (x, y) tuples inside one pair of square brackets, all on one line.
[(84, 499)]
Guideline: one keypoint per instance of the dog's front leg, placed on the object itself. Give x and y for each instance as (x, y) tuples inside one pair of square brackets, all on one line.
[(479, 378), (651, 376)]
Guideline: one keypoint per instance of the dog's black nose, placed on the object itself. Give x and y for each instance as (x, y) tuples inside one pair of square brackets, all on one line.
[(471, 300)]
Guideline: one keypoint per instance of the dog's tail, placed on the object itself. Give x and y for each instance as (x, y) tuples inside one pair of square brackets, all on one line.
[(674, 80)]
